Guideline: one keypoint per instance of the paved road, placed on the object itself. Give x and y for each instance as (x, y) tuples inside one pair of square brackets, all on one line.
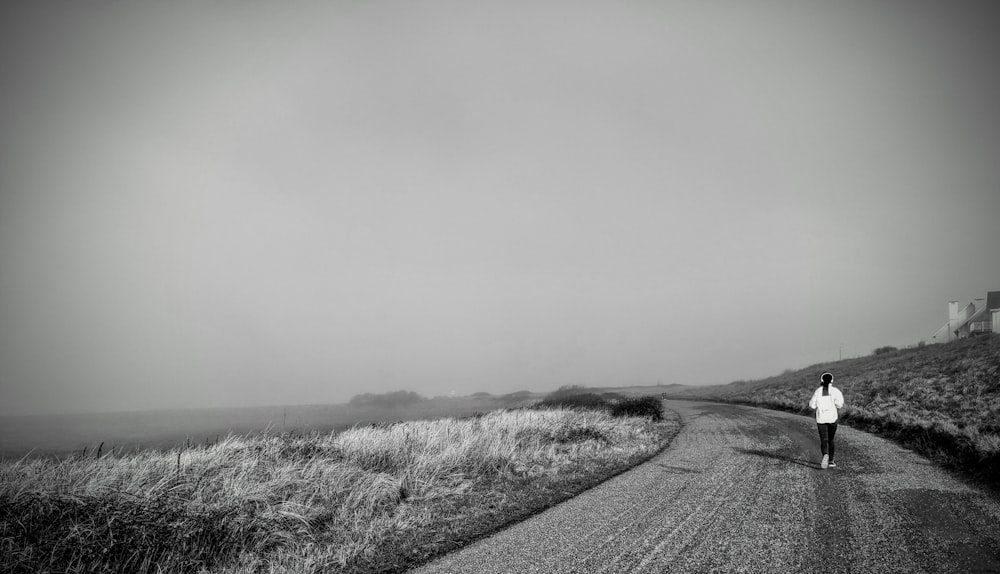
[(740, 490)]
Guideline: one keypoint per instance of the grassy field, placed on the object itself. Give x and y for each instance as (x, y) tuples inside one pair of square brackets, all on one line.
[(376, 498), (942, 400)]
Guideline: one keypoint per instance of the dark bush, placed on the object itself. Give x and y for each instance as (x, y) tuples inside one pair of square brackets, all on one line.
[(650, 407), (582, 401), (884, 350)]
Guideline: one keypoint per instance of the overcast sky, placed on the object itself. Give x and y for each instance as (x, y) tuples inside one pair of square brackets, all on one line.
[(259, 203)]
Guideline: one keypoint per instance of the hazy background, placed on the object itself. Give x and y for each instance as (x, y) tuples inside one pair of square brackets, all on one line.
[(253, 203)]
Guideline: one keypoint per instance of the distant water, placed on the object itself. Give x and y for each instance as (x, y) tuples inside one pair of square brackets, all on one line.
[(62, 434), (48, 435)]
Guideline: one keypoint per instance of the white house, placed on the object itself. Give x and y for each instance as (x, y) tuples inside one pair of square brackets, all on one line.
[(971, 319)]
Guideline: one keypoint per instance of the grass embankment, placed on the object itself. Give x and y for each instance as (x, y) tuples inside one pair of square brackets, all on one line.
[(941, 400), (371, 499)]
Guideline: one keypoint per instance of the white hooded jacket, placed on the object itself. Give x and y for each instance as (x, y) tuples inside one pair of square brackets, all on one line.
[(826, 406)]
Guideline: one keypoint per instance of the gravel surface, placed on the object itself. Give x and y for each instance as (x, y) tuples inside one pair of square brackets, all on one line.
[(740, 490)]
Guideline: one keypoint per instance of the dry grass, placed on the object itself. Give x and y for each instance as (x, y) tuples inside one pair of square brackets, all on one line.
[(374, 498), (943, 400)]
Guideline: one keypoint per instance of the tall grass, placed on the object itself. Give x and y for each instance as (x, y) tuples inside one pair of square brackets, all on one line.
[(374, 498)]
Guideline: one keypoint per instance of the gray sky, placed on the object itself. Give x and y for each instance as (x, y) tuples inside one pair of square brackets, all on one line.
[(252, 203)]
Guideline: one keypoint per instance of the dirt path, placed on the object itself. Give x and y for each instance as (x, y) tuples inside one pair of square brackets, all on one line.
[(740, 490)]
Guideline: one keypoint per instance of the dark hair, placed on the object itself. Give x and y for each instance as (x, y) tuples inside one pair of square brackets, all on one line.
[(827, 379)]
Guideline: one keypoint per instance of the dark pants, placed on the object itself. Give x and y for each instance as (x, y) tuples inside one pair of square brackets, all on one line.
[(826, 432)]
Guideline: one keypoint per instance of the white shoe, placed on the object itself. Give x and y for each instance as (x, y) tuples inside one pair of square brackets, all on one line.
[(833, 464), (825, 462)]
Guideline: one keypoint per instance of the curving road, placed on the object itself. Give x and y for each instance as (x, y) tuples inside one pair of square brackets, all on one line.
[(740, 490)]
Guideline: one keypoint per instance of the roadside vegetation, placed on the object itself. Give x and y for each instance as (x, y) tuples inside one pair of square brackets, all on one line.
[(375, 498), (942, 400), (615, 404)]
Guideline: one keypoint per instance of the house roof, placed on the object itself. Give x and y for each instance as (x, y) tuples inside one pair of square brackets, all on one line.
[(993, 300)]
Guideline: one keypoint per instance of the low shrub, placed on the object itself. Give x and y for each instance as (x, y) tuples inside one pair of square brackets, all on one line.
[(590, 401), (614, 404), (651, 407)]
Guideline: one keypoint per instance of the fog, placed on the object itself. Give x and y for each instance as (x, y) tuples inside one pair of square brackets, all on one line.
[(242, 203)]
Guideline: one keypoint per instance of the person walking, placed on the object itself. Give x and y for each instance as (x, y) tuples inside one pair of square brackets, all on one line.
[(825, 401)]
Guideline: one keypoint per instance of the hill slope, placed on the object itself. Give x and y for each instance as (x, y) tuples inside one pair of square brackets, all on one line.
[(943, 400)]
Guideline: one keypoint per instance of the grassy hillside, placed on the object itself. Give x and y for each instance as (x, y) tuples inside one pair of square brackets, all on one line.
[(377, 498), (943, 400)]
